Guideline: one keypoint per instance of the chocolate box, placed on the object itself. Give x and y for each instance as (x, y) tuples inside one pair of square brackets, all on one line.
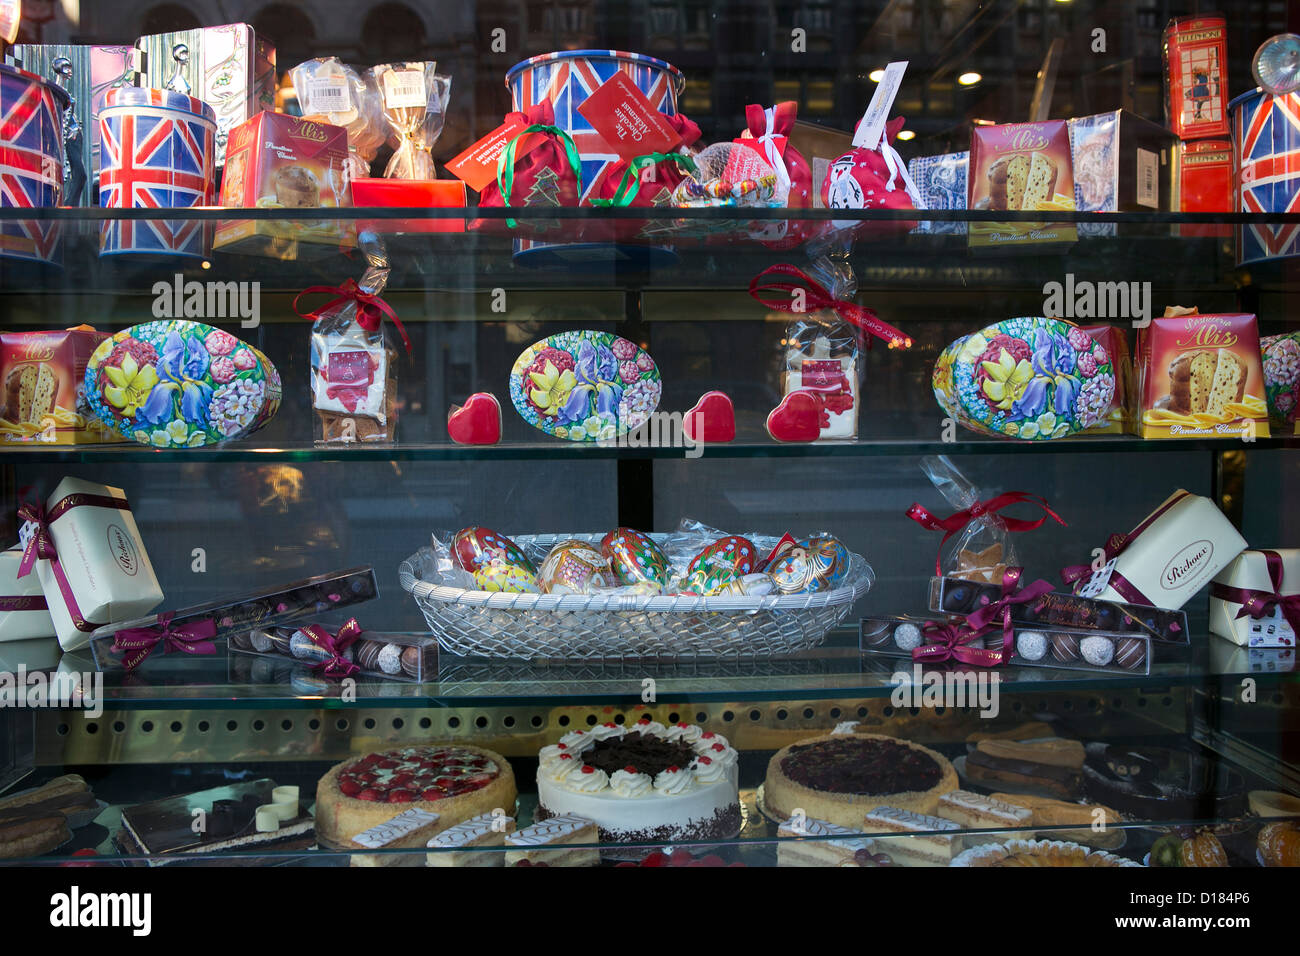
[(238, 614), (954, 595), (1200, 375), (941, 183), (1050, 646), (391, 656), (1250, 571), (275, 161), (1122, 163), (43, 399), (23, 611), (101, 571), (1021, 167), (1281, 357), (1173, 553), (1196, 81), (229, 67)]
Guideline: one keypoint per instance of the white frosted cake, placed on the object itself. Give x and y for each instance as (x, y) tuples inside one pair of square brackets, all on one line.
[(646, 783)]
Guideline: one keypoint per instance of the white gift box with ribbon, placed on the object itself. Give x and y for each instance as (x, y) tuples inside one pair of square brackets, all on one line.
[(90, 560), (23, 611), (1253, 571)]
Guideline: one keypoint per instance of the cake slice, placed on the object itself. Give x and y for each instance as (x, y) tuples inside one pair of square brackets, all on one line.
[(1053, 751), (998, 772), (543, 843), (460, 845), (794, 851), (933, 849), (1049, 813), (980, 812), (1040, 182), (410, 828), (1228, 384)]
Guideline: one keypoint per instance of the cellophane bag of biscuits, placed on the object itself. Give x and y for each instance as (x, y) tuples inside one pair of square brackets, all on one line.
[(330, 91), (982, 550), (354, 363), (414, 98)]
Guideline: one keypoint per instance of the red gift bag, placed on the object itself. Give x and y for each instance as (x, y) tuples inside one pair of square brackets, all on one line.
[(769, 133), (546, 174), (642, 182), (872, 179)]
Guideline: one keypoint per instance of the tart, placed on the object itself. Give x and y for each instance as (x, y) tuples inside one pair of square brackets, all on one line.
[(839, 777), (1037, 853), (1159, 783), (643, 784), (455, 782)]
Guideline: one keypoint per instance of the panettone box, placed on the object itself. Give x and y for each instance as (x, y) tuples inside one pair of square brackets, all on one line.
[(1118, 416), (1200, 375), (941, 183), (1121, 163), (1021, 167), (43, 396), (276, 161), (1251, 571)]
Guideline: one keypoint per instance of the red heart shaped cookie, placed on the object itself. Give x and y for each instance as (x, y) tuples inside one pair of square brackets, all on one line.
[(477, 422), (797, 418), (711, 419)]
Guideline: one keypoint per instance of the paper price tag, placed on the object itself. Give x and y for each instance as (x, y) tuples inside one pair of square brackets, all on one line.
[(326, 94), (405, 88), (872, 127), (26, 532), (626, 120), (476, 167)]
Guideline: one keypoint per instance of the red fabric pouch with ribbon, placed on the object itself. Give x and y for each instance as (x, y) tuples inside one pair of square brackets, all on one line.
[(769, 132), (641, 182), (353, 361), (539, 167), (872, 179)]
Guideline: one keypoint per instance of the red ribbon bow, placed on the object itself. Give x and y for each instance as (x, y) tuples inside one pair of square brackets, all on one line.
[(41, 543), (338, 666), (951, 642), (783, 118), (138, 642), (815, 297), (1012, 593), (955, 522), (1259, 604), (371, 309)]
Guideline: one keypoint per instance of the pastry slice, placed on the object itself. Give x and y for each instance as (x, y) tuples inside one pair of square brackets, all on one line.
[(996, 772), (58, 787), (1053, 814), (1054, 751), (411, 828), (933, 849), (544, 843), (461, 845), (33, 835), (982, 813), (793, 851)]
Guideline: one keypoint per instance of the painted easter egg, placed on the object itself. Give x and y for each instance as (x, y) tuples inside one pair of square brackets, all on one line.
[(574, 567), (829, 557), (180, 384), (585, 386), (634, 557), (732, 552), (495, 562), (796, 572), (712, 580)]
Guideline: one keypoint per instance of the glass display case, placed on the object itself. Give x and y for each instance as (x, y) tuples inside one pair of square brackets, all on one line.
[(639, 480)]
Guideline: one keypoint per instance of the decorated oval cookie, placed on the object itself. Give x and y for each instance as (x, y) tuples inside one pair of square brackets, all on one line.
[(585, 386)]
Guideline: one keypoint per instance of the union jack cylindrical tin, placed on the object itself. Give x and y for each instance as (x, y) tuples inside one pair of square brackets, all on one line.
[(31, 162), (1266, 172), (158, 151)]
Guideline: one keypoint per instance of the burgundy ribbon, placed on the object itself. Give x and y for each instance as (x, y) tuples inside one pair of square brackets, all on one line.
[(955, 522), (816, 297), (41, 543), (21, 602), (1012, 593), (1115, 545), (371, 309), (1258, 604), (137, 643), (338, 666), (951, 642)]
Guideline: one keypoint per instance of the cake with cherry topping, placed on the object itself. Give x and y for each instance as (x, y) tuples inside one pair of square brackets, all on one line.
[(455, 782), (840, 777), (646, 783)]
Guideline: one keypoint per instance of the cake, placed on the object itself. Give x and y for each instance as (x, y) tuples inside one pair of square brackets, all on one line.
[(1159, 783), (821, 848), (646, 783), (455, 782), (1206, 381), (936, 841), (1050, 767), (460, 845), (406, 829), (839, 777), (1040, 184), (543, 843), (1037, 853), (978, 812), (30, 391)]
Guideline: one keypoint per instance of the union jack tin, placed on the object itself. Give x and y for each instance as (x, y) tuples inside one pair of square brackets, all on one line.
[(31, 162), (1266, 172), (158, 152)]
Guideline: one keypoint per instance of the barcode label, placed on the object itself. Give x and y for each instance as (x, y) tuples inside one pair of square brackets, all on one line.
[(327, 94), (1148, 190), (404, 88)]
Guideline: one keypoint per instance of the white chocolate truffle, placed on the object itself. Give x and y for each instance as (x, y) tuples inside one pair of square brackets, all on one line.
[(1031, 645), (907, 636), (1097, 651)]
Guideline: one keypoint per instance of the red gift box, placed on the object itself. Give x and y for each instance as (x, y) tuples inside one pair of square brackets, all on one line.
[(410, 193)]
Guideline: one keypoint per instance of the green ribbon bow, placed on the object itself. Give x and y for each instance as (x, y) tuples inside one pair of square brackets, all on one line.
[(631, 184), (506, 162)]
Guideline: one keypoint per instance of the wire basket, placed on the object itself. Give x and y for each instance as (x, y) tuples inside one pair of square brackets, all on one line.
[(585, 627)]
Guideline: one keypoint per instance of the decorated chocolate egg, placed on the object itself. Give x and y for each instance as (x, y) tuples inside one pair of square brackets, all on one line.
[(634, 557), (732, 552), (796, 571), (829, 557), (712, 580), (574, 567), (495, 562)]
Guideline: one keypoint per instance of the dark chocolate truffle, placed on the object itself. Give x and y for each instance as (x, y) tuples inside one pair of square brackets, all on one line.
[(958, 597), (1130, 652), (1065, 647)]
